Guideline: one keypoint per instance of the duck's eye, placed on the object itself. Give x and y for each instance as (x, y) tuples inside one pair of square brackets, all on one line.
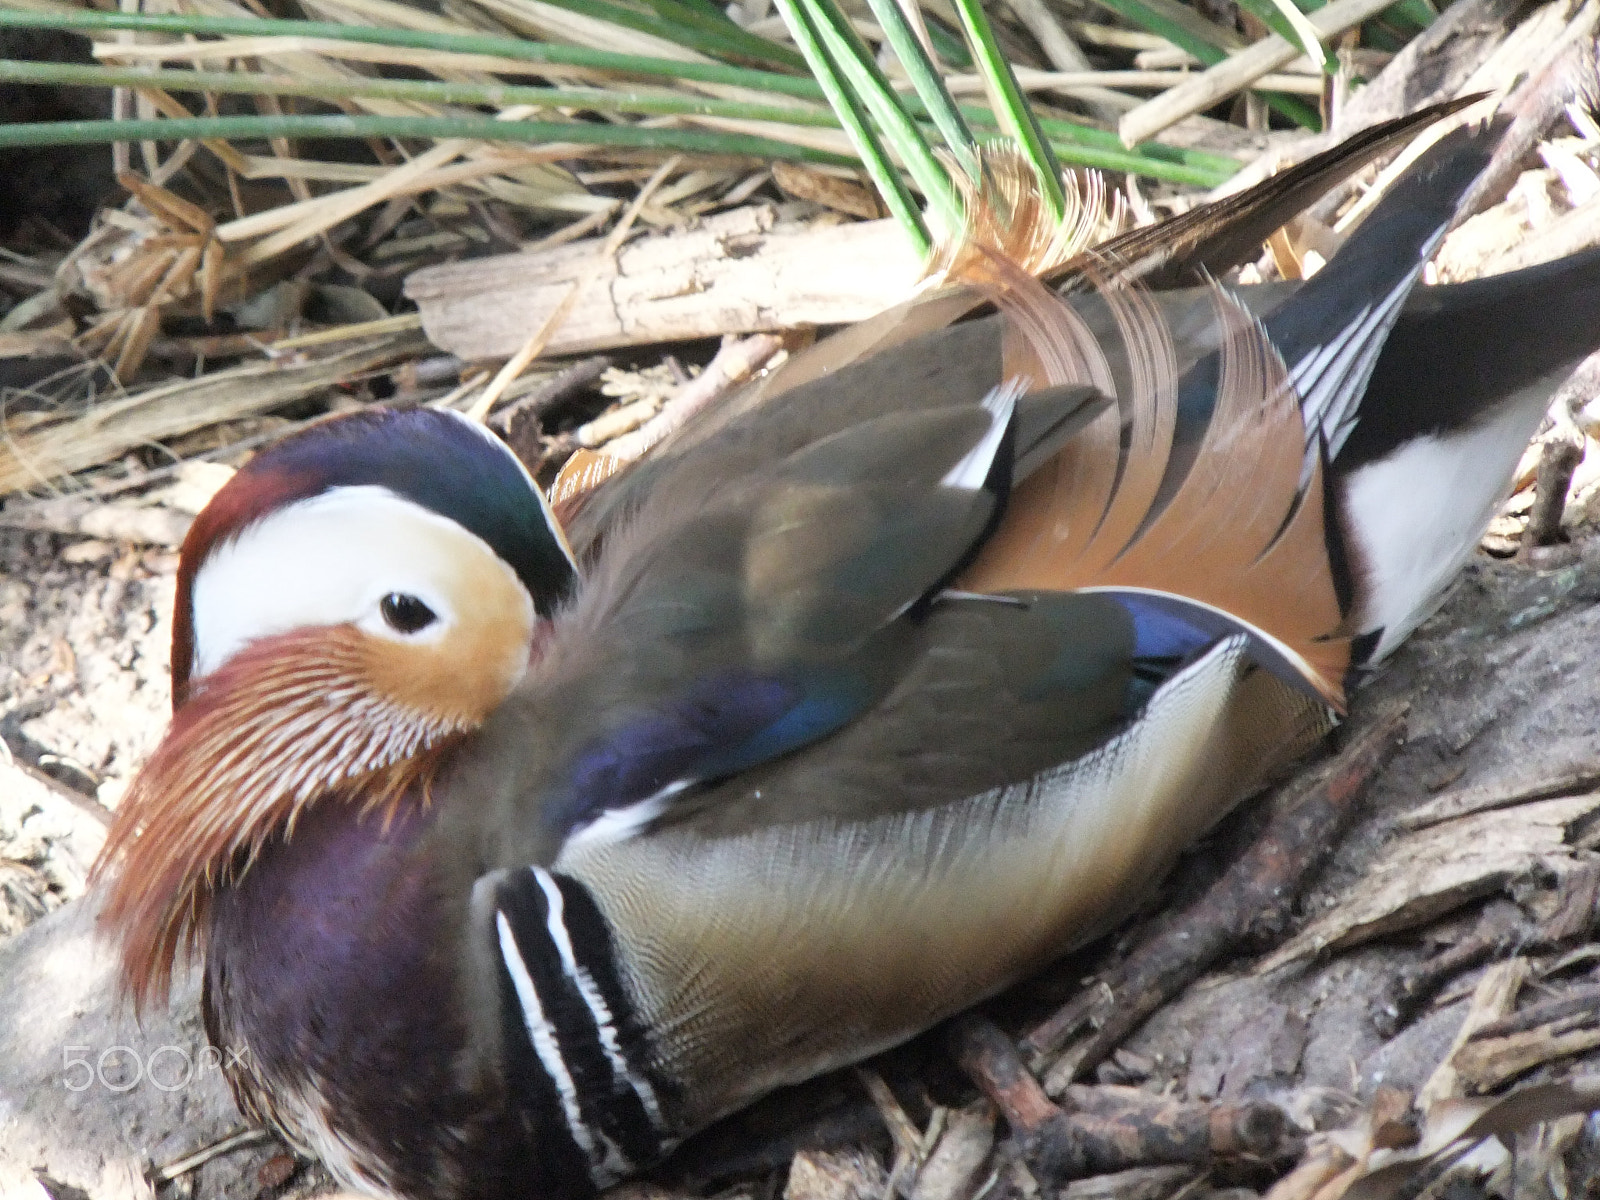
[(406, 614)]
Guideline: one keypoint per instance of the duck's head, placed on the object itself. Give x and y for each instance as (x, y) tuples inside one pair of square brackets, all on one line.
[(353, 601)]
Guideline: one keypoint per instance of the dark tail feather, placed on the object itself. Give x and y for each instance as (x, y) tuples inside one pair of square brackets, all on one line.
[(1512, 340)]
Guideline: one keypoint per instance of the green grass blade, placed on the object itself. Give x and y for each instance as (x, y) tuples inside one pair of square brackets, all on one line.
[(584, 133), (702, 14), (1089, 146), (428, 91), (1016, 115), (1418, 13), (704, 7), (1181, 26), (500, 47), (928, 84), (1116, 158), (1101, 147), (1410, 15), (692, 30), (947, 45), (1297, 32), (852, 116), (1092, 136), (1208, 42), (1382, 35), (1294, 108), (869, 85), (1081, 145)]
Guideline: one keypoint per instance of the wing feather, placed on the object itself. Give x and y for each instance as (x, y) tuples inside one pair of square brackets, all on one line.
[(1238, 517)]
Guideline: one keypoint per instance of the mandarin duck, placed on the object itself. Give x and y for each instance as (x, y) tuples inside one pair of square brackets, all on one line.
[(513, 862)]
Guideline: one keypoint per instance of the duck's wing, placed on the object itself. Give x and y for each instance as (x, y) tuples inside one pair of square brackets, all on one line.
[(794, 920), (737, 618), (1209, 239), (1238, 509), (750, 611)]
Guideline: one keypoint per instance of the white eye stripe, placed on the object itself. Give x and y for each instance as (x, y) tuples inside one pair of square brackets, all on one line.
[(330, 560)]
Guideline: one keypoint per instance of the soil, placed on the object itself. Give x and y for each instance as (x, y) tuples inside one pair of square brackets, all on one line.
[(83, 692)]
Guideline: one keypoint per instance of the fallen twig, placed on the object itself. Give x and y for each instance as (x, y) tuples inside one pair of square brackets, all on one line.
[(1582, 1001), (239, 1139), (520, 421), (1237, 72), (1112, 1129), (740, 271), (1559, 456), (954, 1169), (548, 395), (1494, 997), (736, 361)]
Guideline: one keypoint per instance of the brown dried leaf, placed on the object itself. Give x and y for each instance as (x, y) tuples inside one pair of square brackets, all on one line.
[(55, 339), (1485, 1065), (1494, 997), (840, 195), (180, 275), (1301, 247), (1455, 1126), (1578, 772), (211, 264), (139, 331), (170, 207), (134, 280)]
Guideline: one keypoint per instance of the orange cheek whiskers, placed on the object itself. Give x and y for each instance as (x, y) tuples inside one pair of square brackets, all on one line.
[(287, 721)]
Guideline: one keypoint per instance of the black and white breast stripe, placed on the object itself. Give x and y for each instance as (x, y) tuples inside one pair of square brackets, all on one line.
[(572, 1017)]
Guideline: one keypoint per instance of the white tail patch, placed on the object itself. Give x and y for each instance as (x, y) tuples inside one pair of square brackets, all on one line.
[(1416, 516)]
